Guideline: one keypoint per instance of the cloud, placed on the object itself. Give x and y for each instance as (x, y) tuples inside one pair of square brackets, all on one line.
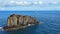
[(12, 1), (40, 2), (31, 5), (23, 3), (20, 3)]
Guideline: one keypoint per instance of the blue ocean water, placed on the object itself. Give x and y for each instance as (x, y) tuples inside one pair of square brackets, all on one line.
[(50, 22)]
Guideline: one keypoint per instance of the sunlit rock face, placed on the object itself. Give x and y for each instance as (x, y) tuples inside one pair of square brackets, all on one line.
[(19, 22)]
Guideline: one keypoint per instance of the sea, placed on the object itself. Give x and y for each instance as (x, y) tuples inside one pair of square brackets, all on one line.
[(49, 22)]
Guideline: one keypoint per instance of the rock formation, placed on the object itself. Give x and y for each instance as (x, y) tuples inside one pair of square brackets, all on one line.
[(19, 21)]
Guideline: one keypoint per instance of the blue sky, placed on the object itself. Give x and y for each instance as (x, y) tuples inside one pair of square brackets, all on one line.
[(28, 5)]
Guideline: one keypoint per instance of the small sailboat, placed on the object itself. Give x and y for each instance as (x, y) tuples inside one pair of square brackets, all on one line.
[(18, 22)]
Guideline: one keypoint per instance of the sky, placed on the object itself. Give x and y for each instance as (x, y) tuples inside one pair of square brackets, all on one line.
[(30, 5)]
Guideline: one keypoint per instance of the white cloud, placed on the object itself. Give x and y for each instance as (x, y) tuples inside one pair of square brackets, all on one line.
[(40, 2), (20, 3), (23, 3), (12, 1)]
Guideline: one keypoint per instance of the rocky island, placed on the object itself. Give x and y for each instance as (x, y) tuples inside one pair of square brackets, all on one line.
[(18, 22)]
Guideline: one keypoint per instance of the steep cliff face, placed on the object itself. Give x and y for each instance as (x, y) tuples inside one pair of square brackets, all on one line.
[(12, 20), (19, 21)]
